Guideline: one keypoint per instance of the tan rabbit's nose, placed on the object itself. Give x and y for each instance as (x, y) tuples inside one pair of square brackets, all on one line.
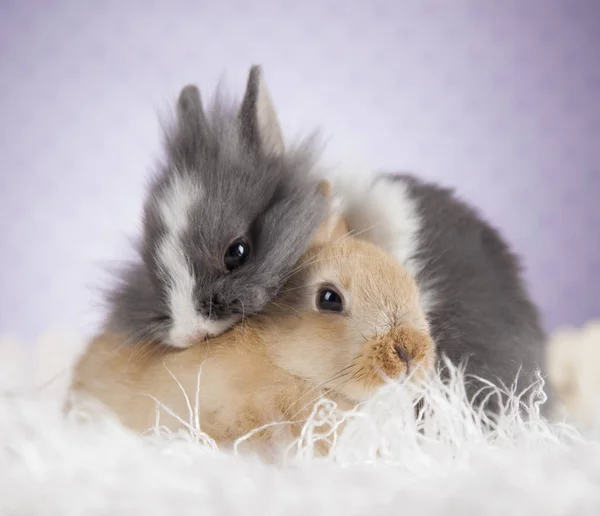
[(403, 350), (413, 347), (403, 355)]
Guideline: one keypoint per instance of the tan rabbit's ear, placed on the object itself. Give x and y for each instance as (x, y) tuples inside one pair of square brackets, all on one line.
[(259, 125), (334, 226)]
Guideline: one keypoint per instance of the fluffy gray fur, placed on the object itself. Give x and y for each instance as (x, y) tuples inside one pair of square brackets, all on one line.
[(248, 190), (482, 311)]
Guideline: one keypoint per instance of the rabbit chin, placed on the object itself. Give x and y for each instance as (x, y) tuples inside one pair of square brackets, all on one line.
[(405, 354), (184, 334), (363, 390)]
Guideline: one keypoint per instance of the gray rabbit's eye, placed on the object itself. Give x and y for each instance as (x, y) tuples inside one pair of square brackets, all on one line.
[(329, 300), (236, 254)]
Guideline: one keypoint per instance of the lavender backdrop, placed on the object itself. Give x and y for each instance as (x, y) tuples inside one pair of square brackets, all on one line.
[(498, 98)]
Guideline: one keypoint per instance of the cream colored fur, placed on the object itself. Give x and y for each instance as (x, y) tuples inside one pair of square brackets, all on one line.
[(274, 367)]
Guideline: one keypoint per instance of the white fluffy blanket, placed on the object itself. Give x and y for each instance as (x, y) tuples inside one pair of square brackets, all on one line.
[(384, 463)]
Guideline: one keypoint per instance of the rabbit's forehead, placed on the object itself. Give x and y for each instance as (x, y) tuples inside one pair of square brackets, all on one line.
[(190, 207), (361, 270), (176, 203)]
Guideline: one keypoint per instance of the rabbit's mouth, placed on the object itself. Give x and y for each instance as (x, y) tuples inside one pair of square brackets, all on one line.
[(403, 354)]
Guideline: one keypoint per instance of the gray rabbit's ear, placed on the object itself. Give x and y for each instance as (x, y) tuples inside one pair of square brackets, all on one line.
[(190, 114), (191, 129), (259, 126)]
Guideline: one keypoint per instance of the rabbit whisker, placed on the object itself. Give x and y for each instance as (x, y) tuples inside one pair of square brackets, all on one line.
[(336, 376)]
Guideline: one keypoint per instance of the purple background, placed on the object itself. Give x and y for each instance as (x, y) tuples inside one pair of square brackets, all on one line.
[(498, 98)]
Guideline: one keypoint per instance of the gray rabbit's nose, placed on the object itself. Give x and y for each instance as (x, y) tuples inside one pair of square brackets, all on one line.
[(217, 307), (213, 307)]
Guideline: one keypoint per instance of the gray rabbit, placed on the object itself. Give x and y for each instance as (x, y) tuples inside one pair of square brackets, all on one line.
[(469, 280), (226, 218)]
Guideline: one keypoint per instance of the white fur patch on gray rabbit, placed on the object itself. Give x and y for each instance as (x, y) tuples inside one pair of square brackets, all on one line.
[(227, 215)]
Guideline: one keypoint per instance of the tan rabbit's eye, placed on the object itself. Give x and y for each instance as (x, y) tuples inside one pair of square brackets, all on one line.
[(329, 300)]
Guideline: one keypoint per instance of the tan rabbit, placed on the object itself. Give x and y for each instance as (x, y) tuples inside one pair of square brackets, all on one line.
[(348, 317)]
